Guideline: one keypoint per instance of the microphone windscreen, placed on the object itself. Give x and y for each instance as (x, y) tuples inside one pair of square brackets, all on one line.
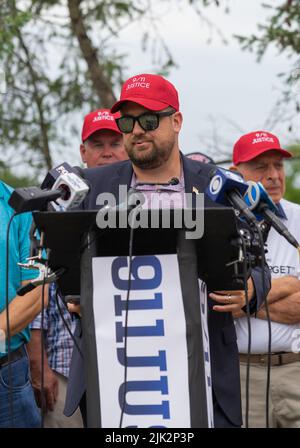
[(79, 170), (81, 173), (54, 174)]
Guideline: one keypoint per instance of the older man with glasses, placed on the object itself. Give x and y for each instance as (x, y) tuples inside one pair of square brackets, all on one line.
[(259, 157)]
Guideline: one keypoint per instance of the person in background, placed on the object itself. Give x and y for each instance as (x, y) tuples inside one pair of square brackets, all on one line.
[(15, 385), (259, 157), (102, 144)]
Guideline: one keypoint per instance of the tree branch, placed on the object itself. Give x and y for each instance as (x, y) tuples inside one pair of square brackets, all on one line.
[(100, 83)]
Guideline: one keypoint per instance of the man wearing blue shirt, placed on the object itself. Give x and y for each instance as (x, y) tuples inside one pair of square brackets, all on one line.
[(102, 144), (15, 385)]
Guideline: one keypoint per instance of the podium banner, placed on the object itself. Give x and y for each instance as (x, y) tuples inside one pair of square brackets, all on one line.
[(157, 385)]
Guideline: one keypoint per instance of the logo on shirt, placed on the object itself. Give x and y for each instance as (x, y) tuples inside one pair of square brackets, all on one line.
[(282, 269)]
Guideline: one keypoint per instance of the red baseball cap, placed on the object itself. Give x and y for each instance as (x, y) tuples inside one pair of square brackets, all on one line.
[(98, 120), (255, 143), (151, 91)]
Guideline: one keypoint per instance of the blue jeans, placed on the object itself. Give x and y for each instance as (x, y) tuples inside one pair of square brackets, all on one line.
[(26, 414)]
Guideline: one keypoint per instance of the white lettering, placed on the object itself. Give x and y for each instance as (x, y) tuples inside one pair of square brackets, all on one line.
[(139, 84), (103, 116), (262, 139)]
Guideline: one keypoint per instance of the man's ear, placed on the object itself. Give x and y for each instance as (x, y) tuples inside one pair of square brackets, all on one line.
[(177, 121), (234, 168), (82, 152)]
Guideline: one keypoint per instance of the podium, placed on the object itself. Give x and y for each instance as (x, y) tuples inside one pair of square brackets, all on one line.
[(167, 357)]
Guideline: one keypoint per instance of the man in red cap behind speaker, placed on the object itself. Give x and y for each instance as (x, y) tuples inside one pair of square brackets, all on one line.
[(102, 142), (259, 157)]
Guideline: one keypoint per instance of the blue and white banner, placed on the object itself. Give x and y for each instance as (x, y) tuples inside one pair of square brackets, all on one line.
[(157, 386)]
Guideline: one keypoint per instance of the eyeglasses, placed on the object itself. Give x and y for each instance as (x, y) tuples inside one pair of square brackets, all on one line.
[(149, 121)]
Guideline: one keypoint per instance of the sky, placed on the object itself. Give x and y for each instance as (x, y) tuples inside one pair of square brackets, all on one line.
[(223, 91)]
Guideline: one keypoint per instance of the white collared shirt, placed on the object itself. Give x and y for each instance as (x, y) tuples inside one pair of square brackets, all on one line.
[(283, 260)]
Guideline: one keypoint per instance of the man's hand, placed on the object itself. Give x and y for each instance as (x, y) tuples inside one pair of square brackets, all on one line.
[(284, 311), (283, 287), (74, 308), (50, 380), (50, 386), (232, 301)]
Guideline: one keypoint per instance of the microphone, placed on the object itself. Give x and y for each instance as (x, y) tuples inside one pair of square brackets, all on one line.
[(67, 191), (174, 181), (227, 188), (73, 191), (71, 181), (31, 198), (263, 207), (255, 194), (46, 276), (80, 171), (54, 174)]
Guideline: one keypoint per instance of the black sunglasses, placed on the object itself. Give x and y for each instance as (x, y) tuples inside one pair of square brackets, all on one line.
[(149, 121)]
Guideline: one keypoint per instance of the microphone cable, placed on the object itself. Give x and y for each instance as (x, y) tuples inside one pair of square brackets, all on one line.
[(10, 391), (263, 265), (136, 210), (10, 386), (43, 397), (57, 296), (249, 334), (35, 247), (130, 252)]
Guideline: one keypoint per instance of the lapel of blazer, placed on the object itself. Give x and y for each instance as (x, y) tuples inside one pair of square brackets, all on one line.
[(122, 176), (195, 177)]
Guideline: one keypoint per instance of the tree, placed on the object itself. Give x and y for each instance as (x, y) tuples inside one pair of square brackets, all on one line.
[(59, 61), (293, 177), (15, 181), (39, 100), (282, 31), (23, 110)]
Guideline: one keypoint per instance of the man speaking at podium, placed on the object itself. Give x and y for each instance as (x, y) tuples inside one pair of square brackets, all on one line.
[(151, 122)]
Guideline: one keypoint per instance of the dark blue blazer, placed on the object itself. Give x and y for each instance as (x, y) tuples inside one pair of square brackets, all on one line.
[(223, 345)]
